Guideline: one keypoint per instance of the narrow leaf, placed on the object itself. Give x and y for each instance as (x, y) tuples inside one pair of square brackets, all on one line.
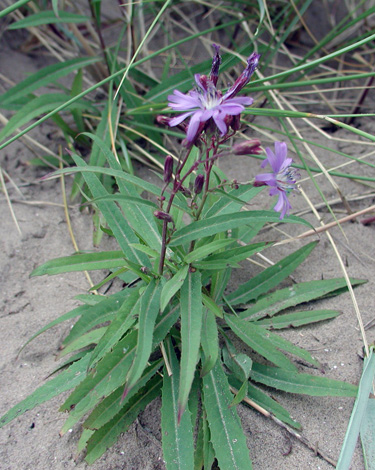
[(191, 325), (172, 286), (48, 17), (294, 382), (297, 319), (210, 341), (270, 277), (225, 427), (177, 432), (221, 223)]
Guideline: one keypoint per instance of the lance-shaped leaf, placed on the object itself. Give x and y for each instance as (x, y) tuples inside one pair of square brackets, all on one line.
[(297, 319), (48, 17), (206, 249), (221, 223), (306, 384), (124, 234), (281, 299), (172, 286), (107, 435), (270, 277), (252, 337), (191, 325), (228, 205), (225, 427), (81, 262), (148, 311), (177, 434), (68, 379), (210, 341)]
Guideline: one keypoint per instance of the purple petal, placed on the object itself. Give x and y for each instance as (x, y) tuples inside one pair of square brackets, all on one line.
[(178, 119), (219, 117), (231, 109), (281, 150), (193, 127), (180, 102), (242, 100), (268, 178), (282, 205), (271, 160)]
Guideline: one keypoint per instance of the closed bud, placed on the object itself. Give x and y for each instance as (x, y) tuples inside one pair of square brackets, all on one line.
[(248, 147), (163, 216), (198, 184), (168, 169)]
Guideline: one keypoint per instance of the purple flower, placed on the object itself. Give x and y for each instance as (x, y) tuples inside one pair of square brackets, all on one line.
[(282, 179), (206, 102)]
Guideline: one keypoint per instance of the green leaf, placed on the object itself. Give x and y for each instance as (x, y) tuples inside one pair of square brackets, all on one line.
[(148, 311), (225, 427), (210, 341), (97, 314), (125, 236), (81, 262), (112, 405), (137, 201), (228, 205), (221, 223), (212, 306), (172, 286), (48, 17), (266, 402), (270, 277), (87, 339), (241, 394), (294, 382), (68, 379), (240, 364), (39, 105), (124, 319), (191, 325), (358, 414), (258, 342), (297, 319), (107, 435), (43, 77), (177, 432), (294, 295), (207, 249)]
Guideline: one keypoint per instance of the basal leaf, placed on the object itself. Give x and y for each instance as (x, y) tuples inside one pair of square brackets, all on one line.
[(297, 319), (107, 435), (270, 277), (148, 311), (191, 325), (177, 432), (225, 427), (258, 342), (68, 379), (81, 262), (295, 382), (209, 341), (294, 295)]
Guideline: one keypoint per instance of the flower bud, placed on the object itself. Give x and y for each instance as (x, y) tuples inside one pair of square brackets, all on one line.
[(198, 184), (247, 147), (168, 169), (163, 216)]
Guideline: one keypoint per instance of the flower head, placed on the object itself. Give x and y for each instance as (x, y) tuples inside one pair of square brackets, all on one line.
[(206, 102), (283, 178)]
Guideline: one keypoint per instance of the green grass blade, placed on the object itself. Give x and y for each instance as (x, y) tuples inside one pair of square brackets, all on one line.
[(226, 431), (298, 293), (177, 432), (48, 17), (43, 77), (68, 379), (294, 382), (358, 413), (13, 7), (39, 105), (148, 311), (191, 326), (270, 277), (368, 435), (221, 223)]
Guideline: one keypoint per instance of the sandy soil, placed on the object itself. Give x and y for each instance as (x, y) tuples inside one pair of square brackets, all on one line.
[(32, 440)]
